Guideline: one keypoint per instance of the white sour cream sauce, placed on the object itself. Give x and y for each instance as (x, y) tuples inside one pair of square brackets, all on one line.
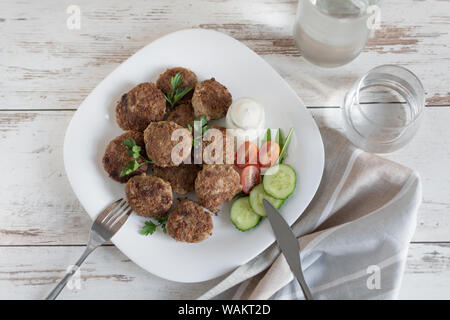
[(246, 116)]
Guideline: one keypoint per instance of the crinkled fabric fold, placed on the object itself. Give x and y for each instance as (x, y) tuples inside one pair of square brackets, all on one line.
[(354, 235)]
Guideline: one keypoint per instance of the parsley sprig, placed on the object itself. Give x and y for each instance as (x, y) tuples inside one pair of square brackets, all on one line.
[(200, 125), (177, 92), (134, 151), (150, 227)]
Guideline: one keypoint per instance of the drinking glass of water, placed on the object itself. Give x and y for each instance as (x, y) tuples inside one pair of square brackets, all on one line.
[(383, 110), (331, 33)]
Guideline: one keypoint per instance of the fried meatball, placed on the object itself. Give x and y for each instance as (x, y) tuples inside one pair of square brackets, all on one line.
[(116, 156), (188, 222), (209, 154), (182, 115), (181, 178), (189, 81), (216, 184), (211, 99), (149, 196), (140, 106), (159, 144)]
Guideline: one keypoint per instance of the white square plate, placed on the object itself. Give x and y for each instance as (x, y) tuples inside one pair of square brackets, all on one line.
[(245, 74)]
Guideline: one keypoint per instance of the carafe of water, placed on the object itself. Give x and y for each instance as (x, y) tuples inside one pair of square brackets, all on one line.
[(331, 33)]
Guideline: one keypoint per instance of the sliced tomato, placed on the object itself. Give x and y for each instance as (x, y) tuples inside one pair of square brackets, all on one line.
[(268, 154), (247, 154), (250, 177)]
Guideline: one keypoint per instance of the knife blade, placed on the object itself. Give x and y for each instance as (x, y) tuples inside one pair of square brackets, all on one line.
[(288, 244)]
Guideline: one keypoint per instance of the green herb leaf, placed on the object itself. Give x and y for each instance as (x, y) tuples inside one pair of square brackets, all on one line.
[(279, 139), (267, 136), (168, 99), (129, 143), (133, 150), (134, 165), (148, 228), (176, 81), (200, 126), (161, 220), (205, 128), (131, 166), (283, 152), (124, 172), (162, 223), (180, 94), (203, 120), (177, 92)]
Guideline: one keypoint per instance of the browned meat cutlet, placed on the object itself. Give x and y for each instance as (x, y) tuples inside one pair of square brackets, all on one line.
[(149, 196), (116, 156), (188, 77), (159, 144), (189, 222), (182, 115), (181, 178), (227, 148), (140, 106), (216, 184), (211, 99)]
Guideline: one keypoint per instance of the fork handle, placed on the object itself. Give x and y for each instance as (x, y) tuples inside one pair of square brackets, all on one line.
[(55, 292)]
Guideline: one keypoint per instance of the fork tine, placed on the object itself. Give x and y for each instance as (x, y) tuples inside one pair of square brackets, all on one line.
[(121, 221), (117, 215), (114, 212), (107, 210)]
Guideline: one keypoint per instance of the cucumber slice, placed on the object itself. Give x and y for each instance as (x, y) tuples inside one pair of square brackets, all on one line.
[(279, 181), (257, 195), (242, 215)]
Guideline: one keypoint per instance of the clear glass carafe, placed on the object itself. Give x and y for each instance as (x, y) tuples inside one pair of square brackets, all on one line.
[(331, 33)]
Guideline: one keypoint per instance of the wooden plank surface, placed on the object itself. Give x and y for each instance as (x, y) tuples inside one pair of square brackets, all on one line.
[(427, 274), (31, 272), (44, 65), (46, 70)]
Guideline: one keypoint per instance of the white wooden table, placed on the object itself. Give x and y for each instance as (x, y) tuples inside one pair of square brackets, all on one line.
[(46, 70)]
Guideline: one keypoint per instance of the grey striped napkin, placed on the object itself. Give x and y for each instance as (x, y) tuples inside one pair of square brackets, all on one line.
[(354, 235)]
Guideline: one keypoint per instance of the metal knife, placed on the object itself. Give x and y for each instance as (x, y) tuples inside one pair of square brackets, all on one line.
[(288, 244)]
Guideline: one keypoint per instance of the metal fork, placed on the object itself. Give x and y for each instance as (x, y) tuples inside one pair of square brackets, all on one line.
[(108, 222)]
